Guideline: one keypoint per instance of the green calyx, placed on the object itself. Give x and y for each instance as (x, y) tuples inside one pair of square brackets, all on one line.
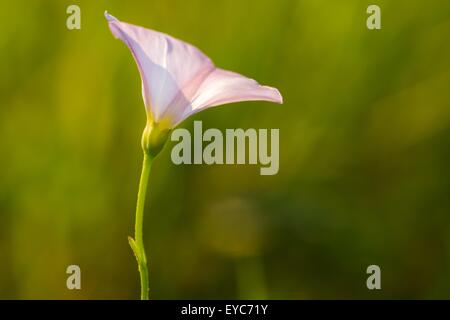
[(154, 138)]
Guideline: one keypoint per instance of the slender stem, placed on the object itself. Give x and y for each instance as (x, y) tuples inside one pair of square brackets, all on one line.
[(138, 243)]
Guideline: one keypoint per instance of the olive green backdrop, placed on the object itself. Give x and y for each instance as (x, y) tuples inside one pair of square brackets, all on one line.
[(364, 153)]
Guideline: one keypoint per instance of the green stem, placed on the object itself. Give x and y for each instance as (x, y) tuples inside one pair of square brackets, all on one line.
[(137, 244)]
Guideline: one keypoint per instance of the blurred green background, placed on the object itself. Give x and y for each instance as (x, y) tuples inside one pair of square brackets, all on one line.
[(364, 157)]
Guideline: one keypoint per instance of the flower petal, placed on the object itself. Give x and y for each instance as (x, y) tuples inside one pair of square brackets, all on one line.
[(171, 70), (222, 86)]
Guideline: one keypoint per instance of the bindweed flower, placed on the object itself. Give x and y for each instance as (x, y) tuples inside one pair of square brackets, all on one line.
[(178, 80)]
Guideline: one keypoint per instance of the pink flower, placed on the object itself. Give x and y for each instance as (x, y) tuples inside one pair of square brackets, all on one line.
[(178, 80)]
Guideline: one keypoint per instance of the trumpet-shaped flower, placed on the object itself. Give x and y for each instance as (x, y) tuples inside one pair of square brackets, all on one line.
[(178, 80)]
